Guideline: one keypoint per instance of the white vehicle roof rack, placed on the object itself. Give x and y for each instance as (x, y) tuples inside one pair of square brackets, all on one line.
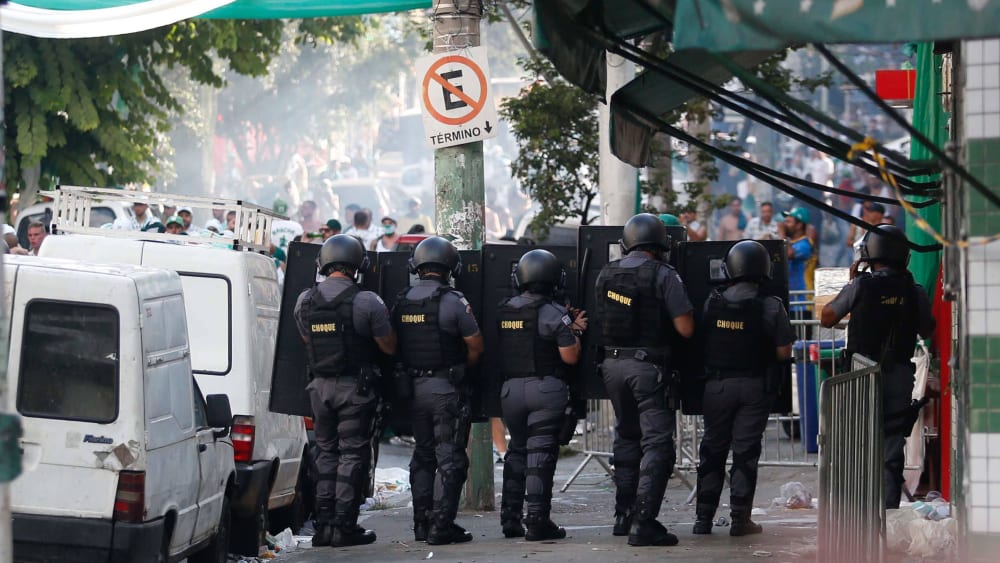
[(72, 205)]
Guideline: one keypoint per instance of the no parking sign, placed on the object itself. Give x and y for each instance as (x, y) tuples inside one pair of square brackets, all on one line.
[(456, 97)]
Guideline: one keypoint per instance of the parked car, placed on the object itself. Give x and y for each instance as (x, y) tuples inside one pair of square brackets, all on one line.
[(232, 301), (100, 214), (123, 458)]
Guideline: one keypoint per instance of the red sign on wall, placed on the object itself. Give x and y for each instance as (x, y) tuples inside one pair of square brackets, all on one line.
[(895, 85)]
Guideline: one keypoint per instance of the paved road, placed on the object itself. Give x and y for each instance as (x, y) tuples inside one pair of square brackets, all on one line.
[(586, 511)]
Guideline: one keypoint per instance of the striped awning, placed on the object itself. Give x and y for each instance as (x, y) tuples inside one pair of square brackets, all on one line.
[(65, 19)]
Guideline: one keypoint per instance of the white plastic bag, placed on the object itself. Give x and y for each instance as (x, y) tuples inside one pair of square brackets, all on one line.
[(285, 541), (929, 538), (914, 450), (796, 495), (897, 532)]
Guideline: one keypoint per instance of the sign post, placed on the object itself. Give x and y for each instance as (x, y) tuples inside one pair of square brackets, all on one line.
[(456, 98), (459, 197)]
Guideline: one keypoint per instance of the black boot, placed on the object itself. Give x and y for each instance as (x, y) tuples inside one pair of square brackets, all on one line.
[(743, 525), (623, 521), (541, 528), (356, 535), (650, 532), (445, 534), (510, 522), (420, 529), (703, 519), (324, 527)]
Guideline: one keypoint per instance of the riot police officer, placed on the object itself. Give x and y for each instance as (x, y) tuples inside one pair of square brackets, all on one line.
[(888, 309), (641, 302), (438, 338), (537, 339), (342, 327), (745, 335)]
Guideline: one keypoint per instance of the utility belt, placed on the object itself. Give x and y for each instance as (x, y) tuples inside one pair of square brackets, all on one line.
[(405, 376), (445, 373), (711, 373), (558, 374), (366, 378), (640, 354)]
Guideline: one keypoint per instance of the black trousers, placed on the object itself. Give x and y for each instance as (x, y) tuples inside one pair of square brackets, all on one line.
[(644, 435), (735, 412), (439, 465), (533, 409)]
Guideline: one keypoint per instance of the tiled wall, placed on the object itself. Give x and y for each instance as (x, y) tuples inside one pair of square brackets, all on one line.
[(981, 415)]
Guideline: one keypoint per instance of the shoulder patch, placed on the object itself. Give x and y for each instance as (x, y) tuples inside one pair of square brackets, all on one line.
[(464, 301), (378, 298)]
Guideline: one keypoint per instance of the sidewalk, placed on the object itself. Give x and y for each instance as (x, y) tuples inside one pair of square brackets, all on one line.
[(586, 511)]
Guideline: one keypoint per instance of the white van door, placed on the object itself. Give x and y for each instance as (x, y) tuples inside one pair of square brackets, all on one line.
[(213, 455), (69, 362)]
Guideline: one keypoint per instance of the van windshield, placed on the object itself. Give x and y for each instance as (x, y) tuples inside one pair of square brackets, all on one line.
[(69, 362)]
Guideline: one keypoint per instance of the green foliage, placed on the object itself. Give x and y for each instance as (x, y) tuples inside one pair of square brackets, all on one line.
[(95, 111), (556, 125)]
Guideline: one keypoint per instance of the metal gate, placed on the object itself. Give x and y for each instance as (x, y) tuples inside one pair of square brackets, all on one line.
[(851, 495)]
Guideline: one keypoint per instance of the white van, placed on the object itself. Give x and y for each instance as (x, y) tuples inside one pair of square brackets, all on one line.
[(122, 460), (232, 299)]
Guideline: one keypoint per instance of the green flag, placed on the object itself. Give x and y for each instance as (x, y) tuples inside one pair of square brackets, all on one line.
[(742, 25)]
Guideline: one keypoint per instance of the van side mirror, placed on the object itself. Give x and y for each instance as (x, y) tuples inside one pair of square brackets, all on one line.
[(220, 415)]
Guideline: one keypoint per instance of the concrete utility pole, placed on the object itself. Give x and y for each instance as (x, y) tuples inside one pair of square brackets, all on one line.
[(617, 180), (459, 214)]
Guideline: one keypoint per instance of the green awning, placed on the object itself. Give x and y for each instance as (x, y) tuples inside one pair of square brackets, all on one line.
[(574, 34), (255, 9), (740, 25), (270, 9), (655, 94)]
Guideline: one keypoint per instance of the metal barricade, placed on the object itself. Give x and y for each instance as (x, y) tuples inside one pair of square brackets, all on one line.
[(851, 495), (783, 445), (598, 438)]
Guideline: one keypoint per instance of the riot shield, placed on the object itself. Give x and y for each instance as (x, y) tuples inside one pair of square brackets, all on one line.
[(596, 246), (702, 267), (290, 374), (499, 260), (470, 283)]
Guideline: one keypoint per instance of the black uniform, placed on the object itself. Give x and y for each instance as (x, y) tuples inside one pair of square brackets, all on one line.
[(432, 319), (888, 309), (533, 397), (741, 328), (340, 323), (637, 298)]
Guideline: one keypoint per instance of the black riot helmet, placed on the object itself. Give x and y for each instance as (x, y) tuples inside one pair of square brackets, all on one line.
[(437, 253), (748, 260), (344, 251), (645, 230), (539, 270), (886, 244)]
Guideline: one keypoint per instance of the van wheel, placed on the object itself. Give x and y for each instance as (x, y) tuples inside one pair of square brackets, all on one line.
[(247, 535), (218, 550), (295, 514)]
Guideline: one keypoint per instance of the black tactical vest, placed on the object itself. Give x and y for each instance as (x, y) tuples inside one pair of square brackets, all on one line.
[(423, 345), (734, 335), (334, 348), (629, 307), (523, 352), (884, 321)]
